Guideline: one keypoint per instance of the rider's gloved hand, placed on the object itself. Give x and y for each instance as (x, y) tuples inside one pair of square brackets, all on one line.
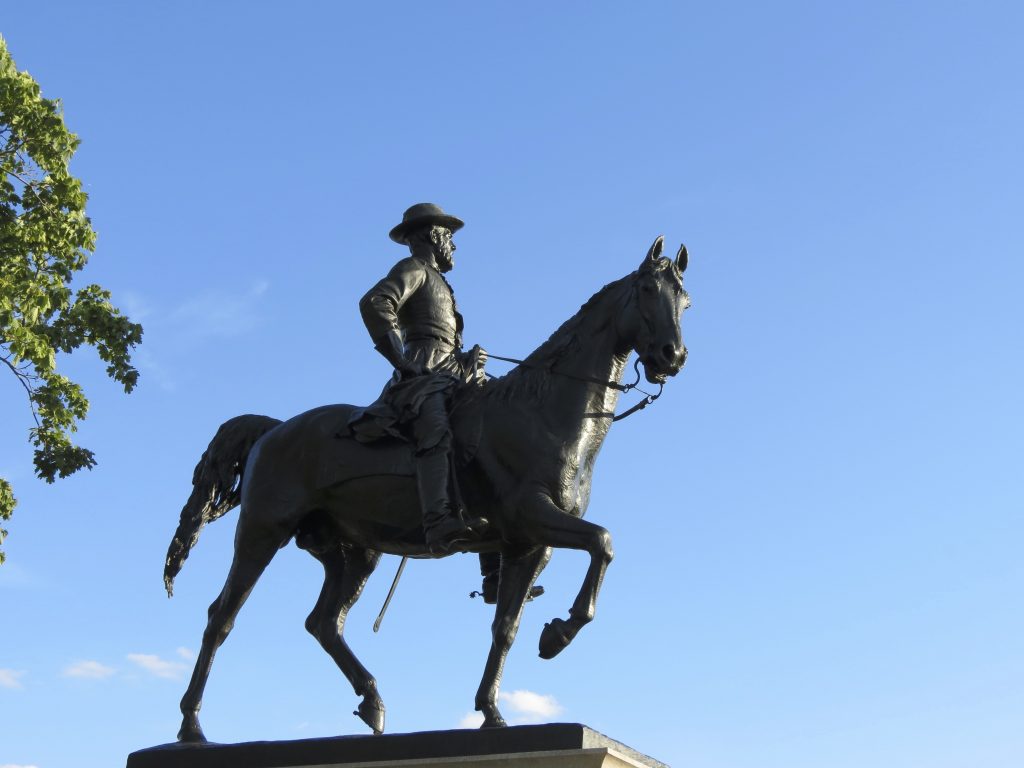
[(477, 362), (391, 347)]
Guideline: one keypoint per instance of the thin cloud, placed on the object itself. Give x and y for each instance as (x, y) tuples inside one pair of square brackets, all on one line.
[(12, 575), (169, 670), (17, 765), (88, 670), (151, 368), (220, 314), (207, 315), (471, 720), (11, 678), (134, 305), (185, 653), (530, 707), (526, 707)]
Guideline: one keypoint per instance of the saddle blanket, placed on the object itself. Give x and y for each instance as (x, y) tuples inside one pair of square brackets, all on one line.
[(345, 458)]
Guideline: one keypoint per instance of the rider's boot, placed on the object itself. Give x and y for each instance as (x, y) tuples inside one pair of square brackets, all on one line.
[(445, 529), (490, 570)]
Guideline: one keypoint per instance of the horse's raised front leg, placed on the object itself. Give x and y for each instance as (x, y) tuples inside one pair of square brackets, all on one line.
[(547, 523), (252, 554), (345, 574), (518, 572)]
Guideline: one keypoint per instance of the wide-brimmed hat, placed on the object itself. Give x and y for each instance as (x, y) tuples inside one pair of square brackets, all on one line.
[(420, 215)]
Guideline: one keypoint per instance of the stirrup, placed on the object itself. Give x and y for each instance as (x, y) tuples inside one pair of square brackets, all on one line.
[(490, 594), (445, 537)]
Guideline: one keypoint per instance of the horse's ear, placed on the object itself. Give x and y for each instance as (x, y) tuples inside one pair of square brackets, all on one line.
[(655, 251), (682, 258)]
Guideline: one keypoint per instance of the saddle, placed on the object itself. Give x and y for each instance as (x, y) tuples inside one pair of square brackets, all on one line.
[(345, 458)]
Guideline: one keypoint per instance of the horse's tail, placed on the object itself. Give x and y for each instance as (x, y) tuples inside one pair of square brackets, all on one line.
[(216, 485)]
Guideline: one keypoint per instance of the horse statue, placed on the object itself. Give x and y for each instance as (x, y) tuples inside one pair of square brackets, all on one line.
[(534, 433)]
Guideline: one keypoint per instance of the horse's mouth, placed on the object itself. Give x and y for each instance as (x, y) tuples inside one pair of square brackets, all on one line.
[(654, 373)]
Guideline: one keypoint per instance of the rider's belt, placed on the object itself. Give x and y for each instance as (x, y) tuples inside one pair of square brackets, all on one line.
[(430, 337)]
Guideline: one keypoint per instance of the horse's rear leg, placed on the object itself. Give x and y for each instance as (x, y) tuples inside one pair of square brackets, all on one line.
[(517, 576), (252, 554), (546, 523), (345, 574)]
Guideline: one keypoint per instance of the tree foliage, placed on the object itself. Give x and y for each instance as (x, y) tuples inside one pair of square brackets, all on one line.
[(45, 238)]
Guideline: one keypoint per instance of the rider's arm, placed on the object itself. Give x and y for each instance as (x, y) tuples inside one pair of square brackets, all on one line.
[(381, 304), (391, 347)]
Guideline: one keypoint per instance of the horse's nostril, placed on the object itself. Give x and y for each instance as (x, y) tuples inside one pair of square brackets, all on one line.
[(669, 352)]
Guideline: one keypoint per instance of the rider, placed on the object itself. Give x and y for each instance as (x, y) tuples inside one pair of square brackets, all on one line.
[(414, 323)]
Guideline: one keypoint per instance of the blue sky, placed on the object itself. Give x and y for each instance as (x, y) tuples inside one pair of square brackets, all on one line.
[(817, 528)]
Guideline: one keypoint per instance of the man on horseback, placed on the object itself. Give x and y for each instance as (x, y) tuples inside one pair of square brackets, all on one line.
[(414, 323)]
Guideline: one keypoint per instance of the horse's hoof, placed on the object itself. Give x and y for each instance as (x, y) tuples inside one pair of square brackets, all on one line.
[(492, 717), (191, 734), (553, 638), (494, 722), (371, 712)]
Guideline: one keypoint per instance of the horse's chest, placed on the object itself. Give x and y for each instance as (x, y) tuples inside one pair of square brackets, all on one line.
[(577, 466)]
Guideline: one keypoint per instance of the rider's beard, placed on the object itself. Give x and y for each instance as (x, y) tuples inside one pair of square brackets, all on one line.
[(445, 259)]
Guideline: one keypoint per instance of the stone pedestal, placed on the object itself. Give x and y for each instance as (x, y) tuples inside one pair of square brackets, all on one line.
[(558, 745)]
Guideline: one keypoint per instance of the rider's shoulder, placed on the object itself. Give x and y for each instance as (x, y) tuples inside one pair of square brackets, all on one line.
[(409, 264)]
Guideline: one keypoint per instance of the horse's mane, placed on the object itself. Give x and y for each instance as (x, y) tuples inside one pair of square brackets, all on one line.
[(531, 378)]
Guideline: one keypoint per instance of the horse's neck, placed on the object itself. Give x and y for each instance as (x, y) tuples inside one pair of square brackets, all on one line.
[(582, 357), (594, 401)]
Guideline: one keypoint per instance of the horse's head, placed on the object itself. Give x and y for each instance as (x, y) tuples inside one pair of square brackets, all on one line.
[(651, 321)]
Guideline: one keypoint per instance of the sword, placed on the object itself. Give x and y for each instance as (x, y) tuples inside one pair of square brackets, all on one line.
[(391, 593)]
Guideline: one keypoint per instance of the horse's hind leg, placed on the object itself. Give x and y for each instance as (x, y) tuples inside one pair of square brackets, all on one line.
[(252, 554), (345, 574), (517, 576)]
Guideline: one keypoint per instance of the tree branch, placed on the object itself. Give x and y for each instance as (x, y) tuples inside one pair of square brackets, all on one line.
[(22, 378), (30, 188)]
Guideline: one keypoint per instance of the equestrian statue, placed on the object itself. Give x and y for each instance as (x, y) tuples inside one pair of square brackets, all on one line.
[(444, 461)]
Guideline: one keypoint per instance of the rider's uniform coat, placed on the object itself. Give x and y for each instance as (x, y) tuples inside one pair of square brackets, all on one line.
[(415, 300)]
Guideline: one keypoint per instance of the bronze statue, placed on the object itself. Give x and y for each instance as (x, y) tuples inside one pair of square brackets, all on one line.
[(524, 448), (413, 320)]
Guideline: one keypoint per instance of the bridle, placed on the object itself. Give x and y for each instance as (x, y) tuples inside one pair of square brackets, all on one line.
[(648, 397), (623, 388)]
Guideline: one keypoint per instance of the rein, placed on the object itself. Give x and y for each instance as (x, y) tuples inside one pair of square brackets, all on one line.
[(624, 388)]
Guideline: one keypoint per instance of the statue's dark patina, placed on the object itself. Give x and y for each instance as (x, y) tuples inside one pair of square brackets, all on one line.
[(525, 446), (413, 320)]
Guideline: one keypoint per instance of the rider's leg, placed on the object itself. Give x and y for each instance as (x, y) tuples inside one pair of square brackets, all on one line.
[(443, 529), (490, 570)]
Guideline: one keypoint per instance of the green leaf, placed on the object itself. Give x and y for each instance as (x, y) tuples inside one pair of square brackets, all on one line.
[(7, 505), (45, 239)]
